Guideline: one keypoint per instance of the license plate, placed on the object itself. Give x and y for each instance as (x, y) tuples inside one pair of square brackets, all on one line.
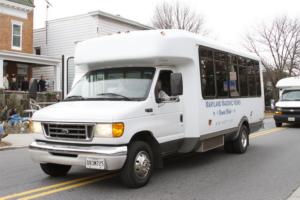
[(95, 163), (291, 119)]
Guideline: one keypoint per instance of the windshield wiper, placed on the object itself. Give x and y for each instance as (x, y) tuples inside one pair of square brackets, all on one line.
[(74, 97), (114, 94)]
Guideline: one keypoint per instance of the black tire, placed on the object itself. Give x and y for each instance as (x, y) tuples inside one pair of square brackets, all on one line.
[(139, 176), (240, 144), (55, 170), (278, 124), (228, 147)]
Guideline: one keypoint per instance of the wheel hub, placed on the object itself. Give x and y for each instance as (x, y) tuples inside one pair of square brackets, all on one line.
[(142, 164), (244, 139)]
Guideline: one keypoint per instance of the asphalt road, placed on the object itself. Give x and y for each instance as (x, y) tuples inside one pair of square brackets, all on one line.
[(269, 170)]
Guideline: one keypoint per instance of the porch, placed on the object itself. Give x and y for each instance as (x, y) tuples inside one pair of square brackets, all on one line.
[(21, 65)]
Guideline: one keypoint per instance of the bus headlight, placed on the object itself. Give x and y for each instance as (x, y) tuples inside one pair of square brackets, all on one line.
[(35, 127), (108, 130)]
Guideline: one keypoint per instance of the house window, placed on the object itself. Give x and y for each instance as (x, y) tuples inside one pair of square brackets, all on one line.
[(37, 50), (16, 38)]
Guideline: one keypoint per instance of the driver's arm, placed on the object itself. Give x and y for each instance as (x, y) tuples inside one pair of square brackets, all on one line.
[(163, 95)]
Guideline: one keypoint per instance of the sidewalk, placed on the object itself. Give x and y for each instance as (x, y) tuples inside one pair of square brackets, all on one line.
[(269, 115), (18, 140), (295, 195)]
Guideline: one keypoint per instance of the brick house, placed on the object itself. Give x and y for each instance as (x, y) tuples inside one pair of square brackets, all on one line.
[(16, 43)]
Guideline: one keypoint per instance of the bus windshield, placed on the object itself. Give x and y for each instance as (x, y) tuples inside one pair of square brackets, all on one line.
[(126, 83), (291, 95)]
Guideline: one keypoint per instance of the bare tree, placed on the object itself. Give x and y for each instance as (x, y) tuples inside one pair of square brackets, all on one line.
[(178, 16), (278, 46)]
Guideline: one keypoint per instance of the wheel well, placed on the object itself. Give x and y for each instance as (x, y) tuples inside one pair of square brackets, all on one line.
[(234, 135), (245, 123), (146, 136)]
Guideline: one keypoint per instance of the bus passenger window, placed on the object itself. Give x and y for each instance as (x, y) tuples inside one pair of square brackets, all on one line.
[(251, 79), (233, 81), (243, 77), (207, 78), (221, 75), (207, 73), (257, 79)]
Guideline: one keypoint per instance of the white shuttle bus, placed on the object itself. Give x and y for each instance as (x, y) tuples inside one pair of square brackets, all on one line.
[(288, 106), (138, 97)]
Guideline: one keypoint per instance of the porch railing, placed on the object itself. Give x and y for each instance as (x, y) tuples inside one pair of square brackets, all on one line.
[(20, 99)]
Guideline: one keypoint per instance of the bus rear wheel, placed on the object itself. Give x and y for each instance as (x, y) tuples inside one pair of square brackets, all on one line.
[(240, 144)]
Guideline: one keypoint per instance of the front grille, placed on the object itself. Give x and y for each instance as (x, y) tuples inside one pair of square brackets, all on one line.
[(291, 111), (68, 131)]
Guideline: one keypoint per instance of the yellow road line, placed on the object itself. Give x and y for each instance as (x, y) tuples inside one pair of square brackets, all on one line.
[(50, 187), (68, 187), (266, 132)]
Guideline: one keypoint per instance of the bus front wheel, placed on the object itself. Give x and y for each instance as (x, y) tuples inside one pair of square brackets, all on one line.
[(55, 170), (139, 165)]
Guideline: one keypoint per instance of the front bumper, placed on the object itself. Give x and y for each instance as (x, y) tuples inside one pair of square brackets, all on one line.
[(43, 152), (284, 118)]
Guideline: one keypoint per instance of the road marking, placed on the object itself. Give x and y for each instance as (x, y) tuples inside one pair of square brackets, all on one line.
[(266, 132), (68, 187), (47, 190), (50, 187)]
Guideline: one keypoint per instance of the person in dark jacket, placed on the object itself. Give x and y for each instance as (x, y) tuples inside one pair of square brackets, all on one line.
[(42, 84), (33, 88), (25, 84)]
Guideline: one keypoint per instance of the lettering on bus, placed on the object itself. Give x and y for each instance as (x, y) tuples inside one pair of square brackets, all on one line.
[(221, 103)]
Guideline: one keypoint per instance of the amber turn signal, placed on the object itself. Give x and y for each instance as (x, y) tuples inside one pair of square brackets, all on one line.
[(117, 129)]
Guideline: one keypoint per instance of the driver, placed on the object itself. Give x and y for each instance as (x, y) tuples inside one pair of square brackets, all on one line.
[(161, 93)]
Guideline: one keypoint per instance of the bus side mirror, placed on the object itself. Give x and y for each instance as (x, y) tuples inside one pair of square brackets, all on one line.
[(176, 84)]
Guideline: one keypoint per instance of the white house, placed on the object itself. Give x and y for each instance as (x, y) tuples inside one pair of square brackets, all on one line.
[(60, 36)]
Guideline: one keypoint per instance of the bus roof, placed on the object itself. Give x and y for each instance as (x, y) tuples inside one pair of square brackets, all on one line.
[(156, 46), (289, 83)]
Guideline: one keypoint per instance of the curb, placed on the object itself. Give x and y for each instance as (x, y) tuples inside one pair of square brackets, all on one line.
[(295, 195), (4, 144), (268, 116), (17, 141), (12, 148)]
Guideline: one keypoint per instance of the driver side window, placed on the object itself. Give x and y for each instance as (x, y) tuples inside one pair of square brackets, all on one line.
[(163, 86)]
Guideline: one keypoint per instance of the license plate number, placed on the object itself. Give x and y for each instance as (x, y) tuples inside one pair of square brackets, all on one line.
[(95, 163), (291, 119)]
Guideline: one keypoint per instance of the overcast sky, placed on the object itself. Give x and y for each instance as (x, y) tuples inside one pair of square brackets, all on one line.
[(227, 20)]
